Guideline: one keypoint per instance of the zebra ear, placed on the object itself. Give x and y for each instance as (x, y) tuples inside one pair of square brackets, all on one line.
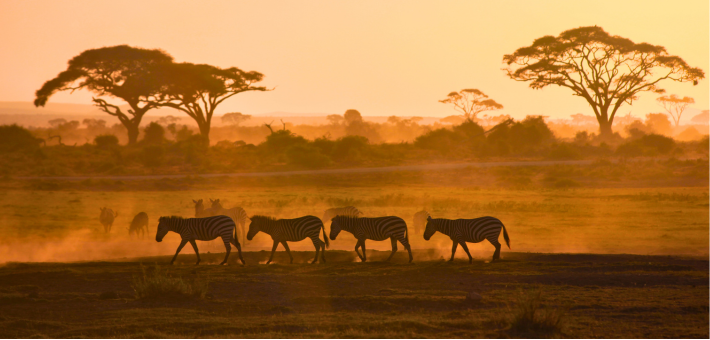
[(193, 201), (428, 218)]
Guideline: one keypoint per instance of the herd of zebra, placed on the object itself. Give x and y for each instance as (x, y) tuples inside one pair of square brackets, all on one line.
[(217, 221)]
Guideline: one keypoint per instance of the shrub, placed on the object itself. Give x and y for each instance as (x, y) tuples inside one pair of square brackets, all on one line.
[(152, 155), (16, 138), (157, 283), (350, 148), (529, 316), (154, 134), (106, 141), (306, 156), (646, 145)]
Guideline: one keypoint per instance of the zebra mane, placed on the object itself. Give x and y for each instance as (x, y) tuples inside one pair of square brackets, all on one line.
[(346, 217), (262, 218), (170, 218)]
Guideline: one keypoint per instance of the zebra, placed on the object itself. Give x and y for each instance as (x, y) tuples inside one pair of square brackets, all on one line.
[(140, 221), (377, 228), (474, 230), (420, 220), (106, 218), (284, 230), (236, 213), (203, 229), (344, 211)]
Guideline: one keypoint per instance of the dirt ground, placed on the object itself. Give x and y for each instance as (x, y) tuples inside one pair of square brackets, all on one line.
[(600, 296)]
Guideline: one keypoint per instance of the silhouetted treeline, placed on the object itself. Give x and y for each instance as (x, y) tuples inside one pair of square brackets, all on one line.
[(177, 149)]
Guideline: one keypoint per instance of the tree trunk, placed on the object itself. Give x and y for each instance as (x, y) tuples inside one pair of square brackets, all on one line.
[(132, 133), (205, 131), (605, 129)]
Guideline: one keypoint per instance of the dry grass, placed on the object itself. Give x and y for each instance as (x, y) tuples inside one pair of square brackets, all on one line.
[(158, 283)]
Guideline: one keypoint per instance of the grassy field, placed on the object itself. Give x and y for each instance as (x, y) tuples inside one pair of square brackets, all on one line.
[(622, 257), (63, 225), (590, 296)]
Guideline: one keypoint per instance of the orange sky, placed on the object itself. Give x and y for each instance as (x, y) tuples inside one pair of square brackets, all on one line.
[(379, 57)]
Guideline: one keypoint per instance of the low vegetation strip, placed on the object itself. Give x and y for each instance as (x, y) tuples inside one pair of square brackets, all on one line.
[(524, 295), (422, 167)]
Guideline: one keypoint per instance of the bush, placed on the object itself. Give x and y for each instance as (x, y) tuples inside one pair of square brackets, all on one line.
[(16, 138), (154, 134), (306, 156), (157, 283), (106, 141), (152, 155), (647, 145), (350, 148), (529, 317)]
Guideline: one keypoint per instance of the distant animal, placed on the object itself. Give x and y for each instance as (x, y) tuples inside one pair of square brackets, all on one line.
[(344, 211), (139, 221), (472, 230), (377, 229), (106, 218), (236, 213), (420, 221), (201, 229), (284, 230)]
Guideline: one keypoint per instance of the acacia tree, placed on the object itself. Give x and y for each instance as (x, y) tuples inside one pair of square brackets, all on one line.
[(607, 71), (235, 118), (197, 89), (471, 102), (675, 106), (122, 72)]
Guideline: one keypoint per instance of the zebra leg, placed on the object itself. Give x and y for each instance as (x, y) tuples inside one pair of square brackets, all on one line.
[(409, 249), (316, 243), (194, 246), (357, 245), (239, 250), (394, 248), (273, 250), (288, 251), (229, 250), (495, 243), (364, 251), (465, 247), (182, 244), (453, 251)]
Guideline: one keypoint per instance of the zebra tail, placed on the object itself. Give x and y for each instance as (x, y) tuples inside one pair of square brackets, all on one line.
[(327, 244), (505, 236)]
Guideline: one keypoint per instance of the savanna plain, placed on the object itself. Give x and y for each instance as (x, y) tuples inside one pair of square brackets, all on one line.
[(612, 257)]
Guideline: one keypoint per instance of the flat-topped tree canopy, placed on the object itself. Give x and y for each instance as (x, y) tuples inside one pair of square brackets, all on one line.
[(197, 89), (124, 72), (607, 71)]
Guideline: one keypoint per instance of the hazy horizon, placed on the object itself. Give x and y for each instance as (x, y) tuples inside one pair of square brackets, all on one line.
[(383, 59)]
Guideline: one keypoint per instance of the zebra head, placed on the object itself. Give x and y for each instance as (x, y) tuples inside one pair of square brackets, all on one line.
[(216, 204), (335, 227), (164, 223), (257, 222), (199, 207), (430, 228)]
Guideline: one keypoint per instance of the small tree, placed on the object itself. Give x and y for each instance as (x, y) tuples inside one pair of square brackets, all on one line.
[(607, 71), (154, 133), (675, 106), (122, 72), (471, 102), (235, 118)]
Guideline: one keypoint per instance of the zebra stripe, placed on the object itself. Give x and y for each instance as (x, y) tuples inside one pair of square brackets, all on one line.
[(377, 229), (344, 211), (468, 230), (201, 229), (238, 214), (284, 230)]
